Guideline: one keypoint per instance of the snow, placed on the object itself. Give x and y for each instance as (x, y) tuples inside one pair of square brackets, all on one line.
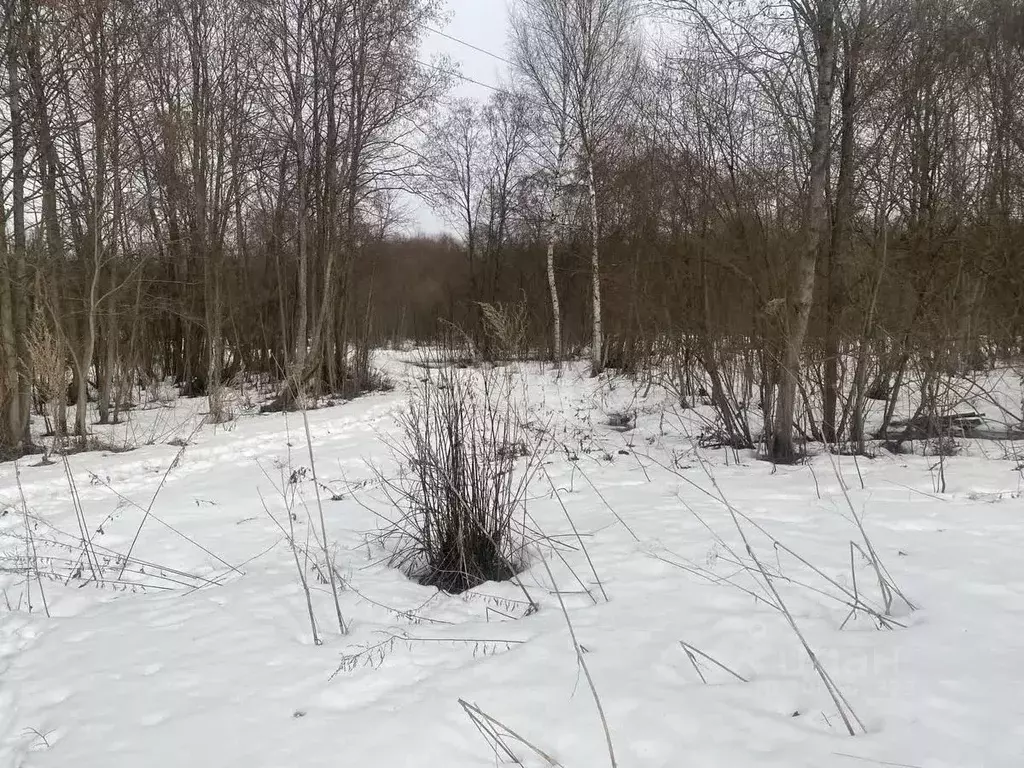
[(208, 660)]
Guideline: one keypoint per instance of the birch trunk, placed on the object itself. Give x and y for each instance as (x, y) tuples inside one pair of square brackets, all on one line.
[(597, 347), (551, 236), (815, 226)]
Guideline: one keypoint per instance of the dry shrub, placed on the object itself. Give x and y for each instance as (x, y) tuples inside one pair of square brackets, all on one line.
[(160, 392), (464, 471), (222, 401), (363, 379), (508, 329), (50, 367), (453, 345)]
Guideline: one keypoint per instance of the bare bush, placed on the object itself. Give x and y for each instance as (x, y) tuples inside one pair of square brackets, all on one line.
[(160, 393), (222, 405), (50, 367), (464, 471), (507, 327)]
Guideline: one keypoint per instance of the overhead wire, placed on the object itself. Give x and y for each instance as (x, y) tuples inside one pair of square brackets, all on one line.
[(467, 44), (461, 76), (466, 78), (471, 46)]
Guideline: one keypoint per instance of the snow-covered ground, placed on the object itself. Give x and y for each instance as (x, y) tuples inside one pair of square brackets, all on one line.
[(200, 653)]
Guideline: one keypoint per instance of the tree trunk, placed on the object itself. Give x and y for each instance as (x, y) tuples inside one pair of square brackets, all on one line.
[(106, 376), (551, 235), (597, 348), (841, 225), (298, 129), (14, 428), (815, 223), (10, 417), (95, 246)]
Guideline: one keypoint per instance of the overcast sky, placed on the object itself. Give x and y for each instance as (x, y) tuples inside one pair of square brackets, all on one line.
[(483, 23)]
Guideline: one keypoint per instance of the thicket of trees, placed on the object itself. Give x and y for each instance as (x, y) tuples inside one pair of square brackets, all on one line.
[(791, 206)]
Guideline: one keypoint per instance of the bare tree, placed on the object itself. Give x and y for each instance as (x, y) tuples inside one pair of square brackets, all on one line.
[(507, 117), (580, 57), (15, 384), (454, 175), (206, 190)]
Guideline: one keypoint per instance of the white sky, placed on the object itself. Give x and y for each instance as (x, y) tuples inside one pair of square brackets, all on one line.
[(483, 23)]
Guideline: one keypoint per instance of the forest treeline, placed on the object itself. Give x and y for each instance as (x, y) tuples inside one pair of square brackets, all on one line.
[(792, 207)]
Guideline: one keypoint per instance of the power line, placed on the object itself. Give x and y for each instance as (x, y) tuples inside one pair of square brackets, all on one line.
[(466, 78), (468, 45), (462, 77)]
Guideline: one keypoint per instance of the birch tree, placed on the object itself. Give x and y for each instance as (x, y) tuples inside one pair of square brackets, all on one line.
[(580, 58), (545, 71), (816, 29)]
